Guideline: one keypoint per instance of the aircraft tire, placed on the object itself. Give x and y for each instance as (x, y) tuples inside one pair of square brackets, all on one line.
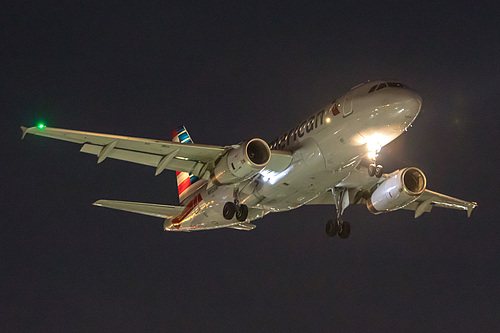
[(371, 170), (332, 228), (345, 230), (229, 210), (242, 213), (379, 170)]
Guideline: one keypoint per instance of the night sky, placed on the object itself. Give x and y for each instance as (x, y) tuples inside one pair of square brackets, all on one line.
[(234, 71)]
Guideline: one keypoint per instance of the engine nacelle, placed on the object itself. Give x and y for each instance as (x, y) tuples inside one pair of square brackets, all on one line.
[(397, 191), (242, 163)]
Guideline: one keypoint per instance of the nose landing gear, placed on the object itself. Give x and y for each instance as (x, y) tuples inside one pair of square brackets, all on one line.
[(373, 168), (338, 225)]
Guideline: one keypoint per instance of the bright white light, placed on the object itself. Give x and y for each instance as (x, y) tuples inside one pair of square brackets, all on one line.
[(372, 155), (373, 146), (328, 120), (272, 177), (374, 143)]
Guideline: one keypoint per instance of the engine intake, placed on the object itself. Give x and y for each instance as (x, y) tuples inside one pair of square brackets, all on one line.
[(242, 163), (397, 191)]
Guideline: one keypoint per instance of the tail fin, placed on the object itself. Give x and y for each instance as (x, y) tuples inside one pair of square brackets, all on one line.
[(184, 179)]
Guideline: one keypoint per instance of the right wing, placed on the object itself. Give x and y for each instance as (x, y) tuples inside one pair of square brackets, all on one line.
[(192, 158)]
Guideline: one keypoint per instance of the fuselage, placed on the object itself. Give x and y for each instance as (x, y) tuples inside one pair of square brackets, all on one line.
[(326, 147)]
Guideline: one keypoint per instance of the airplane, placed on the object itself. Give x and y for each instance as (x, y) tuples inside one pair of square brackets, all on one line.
[(329, 158)]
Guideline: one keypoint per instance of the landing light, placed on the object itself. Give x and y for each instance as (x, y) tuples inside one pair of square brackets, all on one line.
[(272, 177), (328, 120), (374, 143)]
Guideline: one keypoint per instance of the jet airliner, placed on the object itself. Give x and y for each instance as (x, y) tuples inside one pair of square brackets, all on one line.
[(328, 158)]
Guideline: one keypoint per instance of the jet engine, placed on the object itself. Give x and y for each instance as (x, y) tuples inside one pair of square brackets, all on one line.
[(398, 190), (242, 163)]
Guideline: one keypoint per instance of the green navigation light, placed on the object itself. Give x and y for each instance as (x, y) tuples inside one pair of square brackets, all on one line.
[(41, 126)]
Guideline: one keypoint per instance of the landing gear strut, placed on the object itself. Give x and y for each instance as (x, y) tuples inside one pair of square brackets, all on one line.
[(338, 226)]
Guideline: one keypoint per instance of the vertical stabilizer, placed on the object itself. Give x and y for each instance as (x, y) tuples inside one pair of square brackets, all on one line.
[(184, 179)]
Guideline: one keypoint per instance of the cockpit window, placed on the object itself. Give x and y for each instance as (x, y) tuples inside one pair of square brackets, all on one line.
[(385, 85), (395, 85)]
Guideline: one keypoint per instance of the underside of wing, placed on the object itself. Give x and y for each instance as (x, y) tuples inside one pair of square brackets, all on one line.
[(195, 159), (192, 158), (156, 210), (429, 199)]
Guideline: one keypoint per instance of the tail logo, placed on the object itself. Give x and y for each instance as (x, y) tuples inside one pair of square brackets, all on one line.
[(184, 179)]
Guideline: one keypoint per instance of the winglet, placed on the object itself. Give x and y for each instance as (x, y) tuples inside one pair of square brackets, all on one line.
[(25, 130), (470, 208)]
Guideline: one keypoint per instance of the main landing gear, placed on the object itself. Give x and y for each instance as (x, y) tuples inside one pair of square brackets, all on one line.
[(231, 208), (338, 226)]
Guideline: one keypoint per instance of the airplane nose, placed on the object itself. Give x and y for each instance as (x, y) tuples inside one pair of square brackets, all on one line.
[(412, 100), (412, 97), (402, 102), (395, 109), (407, 106), (403, 96)]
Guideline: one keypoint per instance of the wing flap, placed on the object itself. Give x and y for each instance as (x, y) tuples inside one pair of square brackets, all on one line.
[(155, 210), (141, 158)]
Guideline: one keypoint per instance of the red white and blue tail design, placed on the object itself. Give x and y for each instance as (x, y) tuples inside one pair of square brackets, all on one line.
[(184, 179)]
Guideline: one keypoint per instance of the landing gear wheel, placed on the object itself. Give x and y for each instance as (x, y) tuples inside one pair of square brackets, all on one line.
[(371, 170), (345, 230), (379, 170), (229, 210), (242, 213), (332, 228)]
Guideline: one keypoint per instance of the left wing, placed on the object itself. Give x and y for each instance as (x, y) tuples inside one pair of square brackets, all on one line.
[(423, 204), (192, 158), (429, 199), (359, 180)]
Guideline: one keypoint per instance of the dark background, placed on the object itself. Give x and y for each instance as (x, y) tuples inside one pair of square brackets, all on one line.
[(231, 71)]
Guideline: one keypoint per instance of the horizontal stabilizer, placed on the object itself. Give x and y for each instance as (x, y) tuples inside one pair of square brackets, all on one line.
[(163, 211), (243, 226)]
